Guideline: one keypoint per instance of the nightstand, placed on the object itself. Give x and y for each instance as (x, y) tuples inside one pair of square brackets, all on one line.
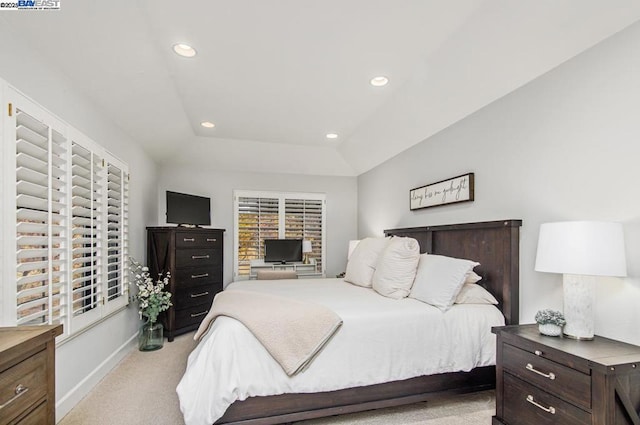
[(27, 374), (553, 380)]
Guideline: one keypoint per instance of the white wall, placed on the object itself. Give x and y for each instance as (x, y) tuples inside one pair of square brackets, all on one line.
[(564, 147), (341, 193), (82, 361)]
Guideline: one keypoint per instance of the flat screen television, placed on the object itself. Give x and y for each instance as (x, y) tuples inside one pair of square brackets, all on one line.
[(282, 250), (188, 209)]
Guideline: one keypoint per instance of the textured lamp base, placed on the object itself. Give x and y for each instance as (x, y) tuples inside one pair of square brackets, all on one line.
[(579, 305)]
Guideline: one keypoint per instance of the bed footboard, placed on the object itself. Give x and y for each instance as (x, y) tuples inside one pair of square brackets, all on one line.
[(296, 407)]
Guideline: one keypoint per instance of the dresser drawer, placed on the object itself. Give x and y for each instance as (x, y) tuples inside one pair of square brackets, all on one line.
[(552, 377), (197, 257), (197, 276), (526, 404), (22, 385), (198, 240), (192, 315), (196, 295)]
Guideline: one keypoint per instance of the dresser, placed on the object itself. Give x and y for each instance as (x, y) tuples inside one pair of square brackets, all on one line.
[(194, 257), (554, 380), (27, 374)]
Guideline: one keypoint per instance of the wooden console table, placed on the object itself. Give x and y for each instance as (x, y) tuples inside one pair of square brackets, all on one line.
[(302, 270)]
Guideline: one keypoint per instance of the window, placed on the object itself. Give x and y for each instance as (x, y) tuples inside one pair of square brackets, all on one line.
[(276, 215), (69, 220), (303, 219)]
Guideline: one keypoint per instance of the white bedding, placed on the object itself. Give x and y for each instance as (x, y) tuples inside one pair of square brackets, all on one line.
[(381, 340)]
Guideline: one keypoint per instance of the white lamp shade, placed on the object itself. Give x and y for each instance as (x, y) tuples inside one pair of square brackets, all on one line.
[(582, 247), (306, 246), (352, 247)]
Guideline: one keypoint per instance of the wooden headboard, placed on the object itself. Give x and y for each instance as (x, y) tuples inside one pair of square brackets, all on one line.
[(494, 244)]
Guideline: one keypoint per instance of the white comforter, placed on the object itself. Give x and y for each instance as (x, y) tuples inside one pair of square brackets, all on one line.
[(381, 340)]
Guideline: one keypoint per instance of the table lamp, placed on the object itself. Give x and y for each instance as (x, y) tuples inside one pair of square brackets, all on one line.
[(306, 249), (581, 250)]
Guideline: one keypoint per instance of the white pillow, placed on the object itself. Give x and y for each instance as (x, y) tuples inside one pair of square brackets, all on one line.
[(439, 279), (475, 294), (396, 268), (472, 277), (363, 261)]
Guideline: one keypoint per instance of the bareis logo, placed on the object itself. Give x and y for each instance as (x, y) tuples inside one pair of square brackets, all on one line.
[(30, 5)]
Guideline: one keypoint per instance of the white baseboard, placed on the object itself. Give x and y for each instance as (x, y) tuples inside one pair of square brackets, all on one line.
[(69, 400)]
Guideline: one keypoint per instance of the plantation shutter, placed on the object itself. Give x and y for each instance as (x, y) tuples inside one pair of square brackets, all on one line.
[(41, 223), (117, 229), (86, 240), (64, 223), (258, 219), (303, 220), (276, 215)]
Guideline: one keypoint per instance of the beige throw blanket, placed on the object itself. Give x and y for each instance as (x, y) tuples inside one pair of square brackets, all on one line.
[(292, 331)]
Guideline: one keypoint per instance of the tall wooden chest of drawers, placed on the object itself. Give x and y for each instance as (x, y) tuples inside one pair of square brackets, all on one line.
[(27, 374), (194, 257), (553, 380)]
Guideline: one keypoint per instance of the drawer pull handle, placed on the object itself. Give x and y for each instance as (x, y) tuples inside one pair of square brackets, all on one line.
[(189, 239), (549, 375), (549, 409), (20, 389), (198, 276), (202, 294), (538, 353), (199, 257), (211, 239), (202, 313)]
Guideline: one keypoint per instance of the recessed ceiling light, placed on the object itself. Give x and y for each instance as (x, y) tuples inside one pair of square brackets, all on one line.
[(207, 124), (379, 81), (184, 50), (332, 136)]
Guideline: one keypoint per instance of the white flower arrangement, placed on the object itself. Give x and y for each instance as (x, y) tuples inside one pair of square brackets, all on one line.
[(152, 298)]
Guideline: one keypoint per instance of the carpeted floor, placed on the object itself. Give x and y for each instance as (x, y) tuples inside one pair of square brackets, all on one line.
[(141, 390)]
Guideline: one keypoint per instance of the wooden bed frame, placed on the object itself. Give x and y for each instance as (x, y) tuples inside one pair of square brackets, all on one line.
[(495, 245)]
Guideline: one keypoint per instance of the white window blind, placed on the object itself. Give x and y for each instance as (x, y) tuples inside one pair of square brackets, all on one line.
[(258, 219), (276, 215), (304, 220), (86, 244), (69, 215), (117, 236), (41, 225)]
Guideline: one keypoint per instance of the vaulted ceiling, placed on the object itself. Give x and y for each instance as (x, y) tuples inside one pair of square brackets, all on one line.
[(275, 76)]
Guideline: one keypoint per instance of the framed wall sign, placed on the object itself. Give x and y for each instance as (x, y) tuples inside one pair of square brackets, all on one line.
[(450, 191)]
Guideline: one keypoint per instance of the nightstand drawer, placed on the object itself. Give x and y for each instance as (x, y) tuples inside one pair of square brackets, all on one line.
[(197, 257), (198, 240), (196, 295), (526, 404), (564, 382), (38, 416), (23, 385)]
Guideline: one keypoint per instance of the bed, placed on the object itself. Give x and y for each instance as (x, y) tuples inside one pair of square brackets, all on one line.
[(493, 244)]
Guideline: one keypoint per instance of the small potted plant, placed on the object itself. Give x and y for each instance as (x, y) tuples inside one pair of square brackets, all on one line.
[(152, 300), (550, 322)]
